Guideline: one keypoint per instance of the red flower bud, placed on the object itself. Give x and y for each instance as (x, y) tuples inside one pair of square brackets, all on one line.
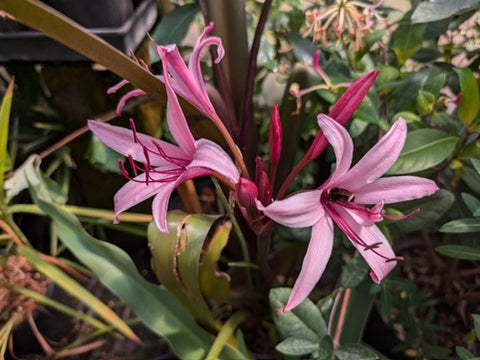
[(275, 136)]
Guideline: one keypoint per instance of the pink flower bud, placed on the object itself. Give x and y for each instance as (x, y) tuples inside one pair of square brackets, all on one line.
[(260, 168), (275, 136), (246, 193)]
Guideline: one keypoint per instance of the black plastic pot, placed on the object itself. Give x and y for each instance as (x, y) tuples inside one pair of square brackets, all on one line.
[(95, 13), (116, 21)]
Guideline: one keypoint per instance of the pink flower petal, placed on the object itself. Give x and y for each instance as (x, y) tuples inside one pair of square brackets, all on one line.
[(297, 211), (129, 95), (342, 145), (211, 156), (371, 236), (314, 262), (160, 202), (122, 141), (133, 193), (395, 189), (377, 160), (362, 215), (194, 63)]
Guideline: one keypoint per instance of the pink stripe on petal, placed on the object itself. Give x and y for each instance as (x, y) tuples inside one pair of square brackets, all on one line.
[(160, 202), (210, 155), (377, 160), (122, 141), (395, 189), (370, 236), (297, 211), (175, 117), (133, 193), (314, 263), (342, 145)]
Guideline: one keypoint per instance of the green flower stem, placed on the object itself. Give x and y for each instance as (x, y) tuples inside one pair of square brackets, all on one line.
[(236, 228), (83, 211), (225, 333)]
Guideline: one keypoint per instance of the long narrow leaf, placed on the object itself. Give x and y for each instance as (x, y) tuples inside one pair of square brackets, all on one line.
[(60, 307), (4, 120), (75, 289), (155, 306)]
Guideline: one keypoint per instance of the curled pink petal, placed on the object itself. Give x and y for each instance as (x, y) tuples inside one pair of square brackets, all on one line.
[(113, 89), (129, 95), (314, 263)]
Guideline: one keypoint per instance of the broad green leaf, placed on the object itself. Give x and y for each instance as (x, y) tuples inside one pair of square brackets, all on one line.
[(407, 39), (409, 117), (176, 258), (154, 305), (476, 164), (303, 49), (470, 100), (173, 27), (355, 352), (476, 324), (432, 208), (387, 74), (429, 11), (297, 346), (462, 252), (326, 348), (423, 149), (72, 287), (404, 92), (368, 41), (425, 102), (463, 353), (213, 283), (353, 272), (4, 120), (462, 226), (40, 16), (471, 201), (305, 321), (472, 178)]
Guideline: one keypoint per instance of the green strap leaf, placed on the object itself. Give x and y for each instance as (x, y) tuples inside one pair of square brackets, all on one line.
[(423, 149), (154, 305), (462, 252), (470, 100), (4, 120), (75, 289), (467, 225), (176, 258)]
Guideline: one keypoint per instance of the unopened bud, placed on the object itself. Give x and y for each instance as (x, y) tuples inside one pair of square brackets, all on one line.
[(275, 136), (246, 193)]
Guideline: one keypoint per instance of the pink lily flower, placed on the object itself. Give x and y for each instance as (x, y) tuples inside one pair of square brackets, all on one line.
[(165, 166), (340, 200), (187, 81)]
